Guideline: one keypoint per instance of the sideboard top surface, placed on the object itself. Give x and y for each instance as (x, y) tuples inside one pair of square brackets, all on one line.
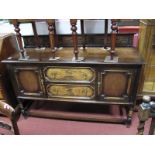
[(91, 55)]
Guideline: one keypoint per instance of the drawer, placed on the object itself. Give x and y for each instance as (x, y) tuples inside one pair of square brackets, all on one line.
[(69, 74), (70, 91)]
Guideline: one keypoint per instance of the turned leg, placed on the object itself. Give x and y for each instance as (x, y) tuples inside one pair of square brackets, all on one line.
[(22, 109), (129, 117)]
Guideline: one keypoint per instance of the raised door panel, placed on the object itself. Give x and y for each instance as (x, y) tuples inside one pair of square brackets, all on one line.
[(116, 84), (29, 81)]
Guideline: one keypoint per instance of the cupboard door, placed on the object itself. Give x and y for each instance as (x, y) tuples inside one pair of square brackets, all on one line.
[(115, 84), (29, 81)]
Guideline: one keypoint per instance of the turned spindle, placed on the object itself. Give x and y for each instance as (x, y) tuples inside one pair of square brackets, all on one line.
[(113, 38), (51, 27), (74, 37), (19, 37)]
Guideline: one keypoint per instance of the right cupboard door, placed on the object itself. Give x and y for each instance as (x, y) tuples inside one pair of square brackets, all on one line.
[(116, 84)]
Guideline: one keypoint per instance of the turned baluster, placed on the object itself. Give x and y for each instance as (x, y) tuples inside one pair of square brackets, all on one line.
[(74, 37), (19, 38), (51, 27), (113, 38)]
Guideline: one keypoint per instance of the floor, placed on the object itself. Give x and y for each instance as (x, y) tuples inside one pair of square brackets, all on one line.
[(44, 126), (50, 126)]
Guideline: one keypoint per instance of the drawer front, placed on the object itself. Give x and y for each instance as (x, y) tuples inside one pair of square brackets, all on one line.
[(69, 74), (29, 81), (71, 91)]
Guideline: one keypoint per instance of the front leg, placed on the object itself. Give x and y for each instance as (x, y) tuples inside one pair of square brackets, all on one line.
[(22, 109), (129, 116)]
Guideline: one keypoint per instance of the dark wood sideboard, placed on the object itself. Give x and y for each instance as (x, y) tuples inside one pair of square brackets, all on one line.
[(52, 75), (90, 81)]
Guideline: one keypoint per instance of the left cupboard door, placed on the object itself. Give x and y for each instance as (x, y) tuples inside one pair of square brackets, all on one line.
[(29, 81)]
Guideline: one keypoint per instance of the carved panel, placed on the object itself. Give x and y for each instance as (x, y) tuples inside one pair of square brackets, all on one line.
[(29, 81), (70, 91), (116, 84), (69, 74)]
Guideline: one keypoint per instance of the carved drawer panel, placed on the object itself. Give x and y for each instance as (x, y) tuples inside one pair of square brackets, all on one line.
[(116, 84), (69, 74), (29, 81), (70, 91)]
